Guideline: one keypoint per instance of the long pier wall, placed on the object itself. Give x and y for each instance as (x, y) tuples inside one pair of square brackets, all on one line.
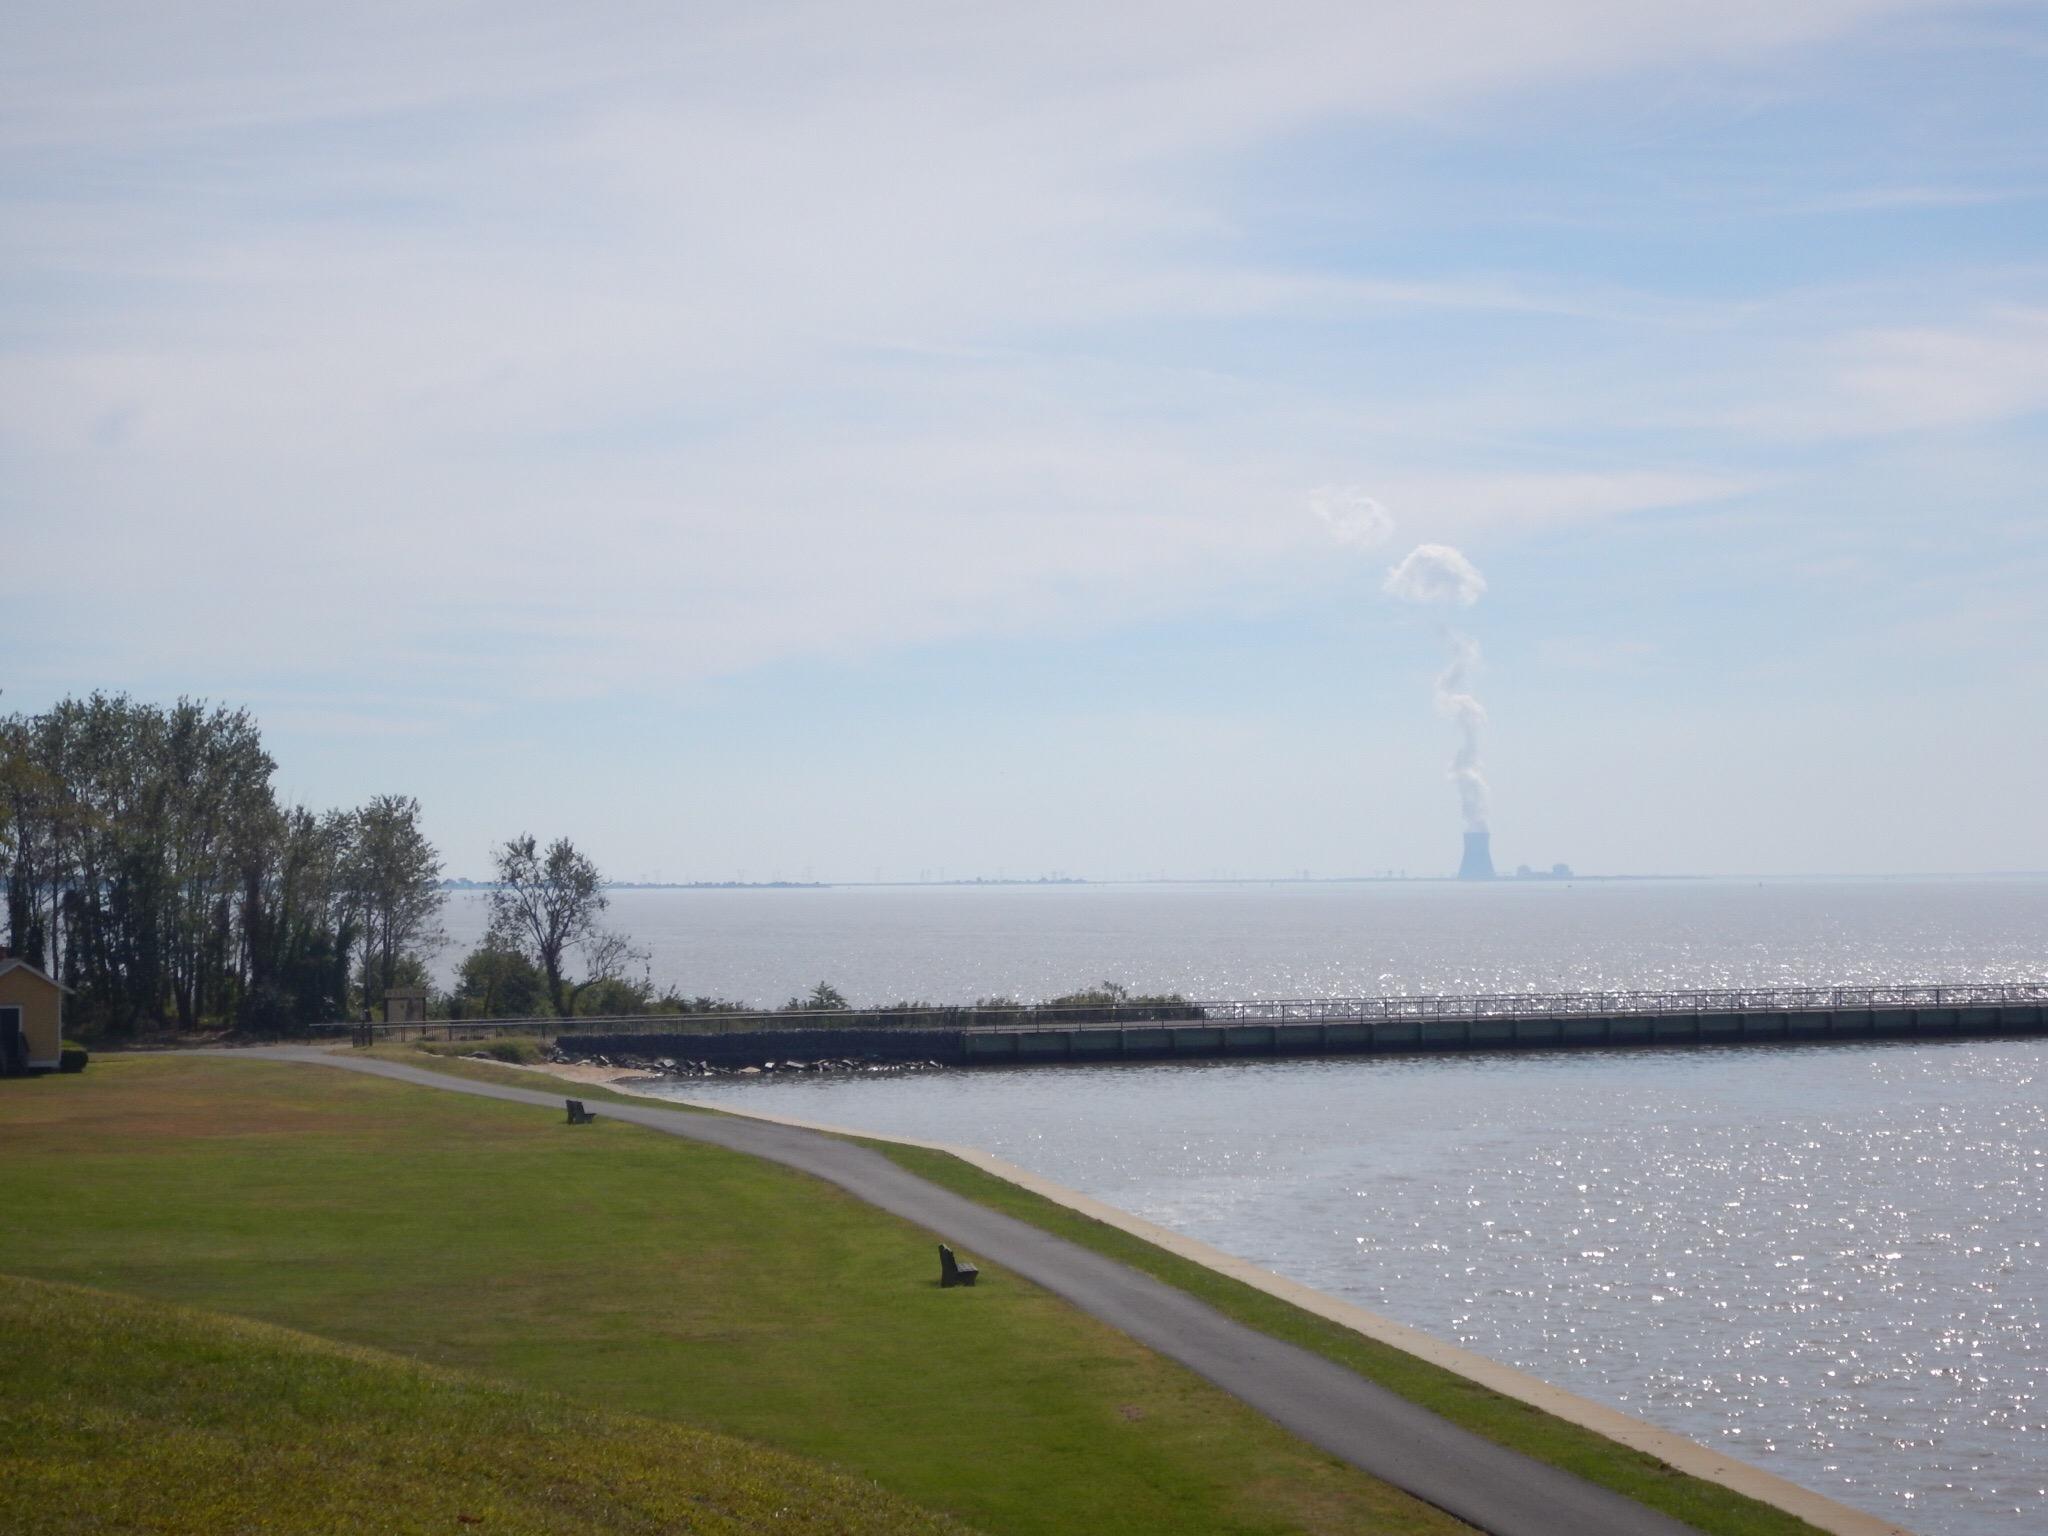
[(1332, 1037), (1495, 1033)]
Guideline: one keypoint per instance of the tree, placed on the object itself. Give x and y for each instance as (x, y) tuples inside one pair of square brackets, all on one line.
[(823, 998), (129, 828), (547, 903), (396, 875), (497, 981), (606, 988), (146, 863), (296, 932)]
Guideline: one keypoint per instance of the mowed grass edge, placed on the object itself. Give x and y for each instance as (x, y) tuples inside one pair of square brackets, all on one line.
[(121, 1414), (1708, 1506)]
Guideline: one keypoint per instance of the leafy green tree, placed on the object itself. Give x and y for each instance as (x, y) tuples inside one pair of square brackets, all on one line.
[(298, 920), (396, 876), (496, 981), (128, 825), (612, 997), (608, 958), (547, 903), (823, 998), (147, 864)]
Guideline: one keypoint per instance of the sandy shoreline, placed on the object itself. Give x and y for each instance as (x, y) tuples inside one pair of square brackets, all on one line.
[(576, 1072)]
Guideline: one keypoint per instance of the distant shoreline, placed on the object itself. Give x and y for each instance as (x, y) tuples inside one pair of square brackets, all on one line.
[(1258, 880)]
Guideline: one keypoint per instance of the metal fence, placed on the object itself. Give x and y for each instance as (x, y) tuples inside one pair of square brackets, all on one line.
[(1298, 1010), (1335, 1010)]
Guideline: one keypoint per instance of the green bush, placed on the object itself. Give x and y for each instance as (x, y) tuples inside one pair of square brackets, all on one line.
[(496, 981), (72, 1058), (520, 1050)]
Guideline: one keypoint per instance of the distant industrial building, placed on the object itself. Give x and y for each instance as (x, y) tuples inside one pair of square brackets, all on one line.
[(1478, 863)]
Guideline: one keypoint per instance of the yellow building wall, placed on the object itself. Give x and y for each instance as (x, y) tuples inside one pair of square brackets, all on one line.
[(42, 1014)]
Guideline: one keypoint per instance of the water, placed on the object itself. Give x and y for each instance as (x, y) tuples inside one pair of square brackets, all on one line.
[(954, 944), (1826, 1259)]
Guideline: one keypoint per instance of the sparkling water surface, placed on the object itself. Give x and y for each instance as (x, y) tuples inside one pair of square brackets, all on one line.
[(1824, 1259)]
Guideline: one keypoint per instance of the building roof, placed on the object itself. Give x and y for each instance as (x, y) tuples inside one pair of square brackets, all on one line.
[(37, 972)]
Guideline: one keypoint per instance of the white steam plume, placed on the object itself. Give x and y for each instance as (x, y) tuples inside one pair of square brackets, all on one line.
[(1454, 700), (1352, 517), (1437, 573)]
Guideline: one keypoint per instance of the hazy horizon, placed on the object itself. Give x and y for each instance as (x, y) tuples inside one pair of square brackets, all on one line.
[(456, 880)]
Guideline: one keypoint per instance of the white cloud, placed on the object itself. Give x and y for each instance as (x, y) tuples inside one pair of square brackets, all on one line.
[(1353, 518)]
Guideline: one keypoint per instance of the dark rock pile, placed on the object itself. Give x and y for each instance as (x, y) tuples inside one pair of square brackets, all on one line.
[(670, 1066)]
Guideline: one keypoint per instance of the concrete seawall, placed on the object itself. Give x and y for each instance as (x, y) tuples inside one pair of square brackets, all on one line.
[(1189, 1039)]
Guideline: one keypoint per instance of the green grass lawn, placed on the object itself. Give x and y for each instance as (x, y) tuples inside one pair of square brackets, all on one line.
[(643, 1275), (1708, 1506), (513, 1069), (119, 1414)]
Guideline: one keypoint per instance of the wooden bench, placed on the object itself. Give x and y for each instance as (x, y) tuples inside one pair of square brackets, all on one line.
[(952, 1271), (578, 1115)]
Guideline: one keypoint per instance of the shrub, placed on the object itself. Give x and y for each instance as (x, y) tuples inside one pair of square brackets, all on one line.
[(1112, 1001), (673, 1001), (519, 1050), (823, 998), (496, 981), (72, 1058)]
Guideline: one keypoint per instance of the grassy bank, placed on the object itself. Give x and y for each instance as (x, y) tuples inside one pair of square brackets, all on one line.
[(510, 1069), (120, 1414), (656, 1277), (1502, 1419), (519, 1050), (1505, 1420)]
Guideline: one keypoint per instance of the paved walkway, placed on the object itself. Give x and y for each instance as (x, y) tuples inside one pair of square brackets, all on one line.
[(1484, 1484)]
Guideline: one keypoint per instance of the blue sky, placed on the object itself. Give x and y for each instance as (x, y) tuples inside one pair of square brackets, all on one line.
[(864, 439)]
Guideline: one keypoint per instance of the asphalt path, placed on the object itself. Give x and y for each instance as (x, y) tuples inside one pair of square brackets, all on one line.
[(1483, 1484)]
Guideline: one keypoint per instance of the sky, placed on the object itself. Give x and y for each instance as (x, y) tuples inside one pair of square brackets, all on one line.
[(890, 440)]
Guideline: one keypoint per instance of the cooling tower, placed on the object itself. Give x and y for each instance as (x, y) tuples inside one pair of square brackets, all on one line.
[(1478, 863)]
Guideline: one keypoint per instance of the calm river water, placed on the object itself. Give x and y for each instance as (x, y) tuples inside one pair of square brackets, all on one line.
[(1825, 1259)]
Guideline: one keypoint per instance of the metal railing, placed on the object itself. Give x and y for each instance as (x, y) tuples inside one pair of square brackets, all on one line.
[(1310, 1010), (1649, 1003)]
